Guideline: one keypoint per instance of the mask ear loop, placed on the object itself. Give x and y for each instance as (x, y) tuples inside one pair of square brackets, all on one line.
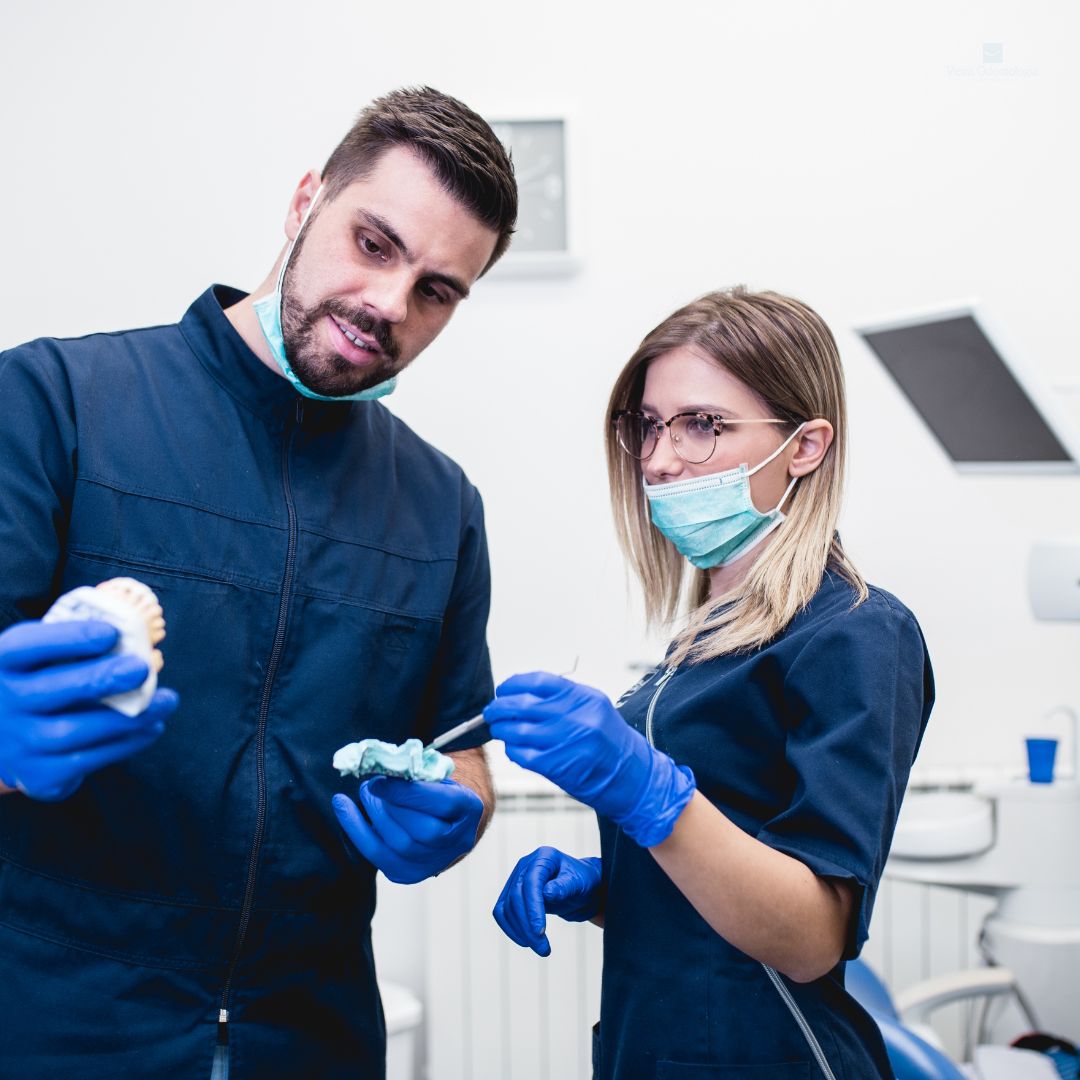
[(299, 232), (787, 491), (773, 456), (776, 453)]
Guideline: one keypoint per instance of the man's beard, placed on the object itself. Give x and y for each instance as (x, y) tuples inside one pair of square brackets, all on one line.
[(326, 371)]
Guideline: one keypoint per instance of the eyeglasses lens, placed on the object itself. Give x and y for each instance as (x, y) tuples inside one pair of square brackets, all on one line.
[(694, 438), (636, 433)]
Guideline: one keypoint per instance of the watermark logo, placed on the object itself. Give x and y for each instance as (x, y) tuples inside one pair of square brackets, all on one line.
[(993, 66)]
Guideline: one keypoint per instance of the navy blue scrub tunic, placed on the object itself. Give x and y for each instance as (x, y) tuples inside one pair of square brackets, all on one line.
[(805, 744), (324, 577)]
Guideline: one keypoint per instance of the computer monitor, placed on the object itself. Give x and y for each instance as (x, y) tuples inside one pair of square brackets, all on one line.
[(985, 409)]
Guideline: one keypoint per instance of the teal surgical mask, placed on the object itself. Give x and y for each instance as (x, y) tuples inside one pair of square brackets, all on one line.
[(268, 312), (712, 519)]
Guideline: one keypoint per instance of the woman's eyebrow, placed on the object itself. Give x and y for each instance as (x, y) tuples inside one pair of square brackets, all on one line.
[(717, 409)]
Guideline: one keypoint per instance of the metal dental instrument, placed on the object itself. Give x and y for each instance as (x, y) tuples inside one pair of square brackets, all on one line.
[(455, 732), (471, 725)]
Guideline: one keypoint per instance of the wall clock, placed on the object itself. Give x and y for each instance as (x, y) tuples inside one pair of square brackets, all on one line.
[(543, 242)]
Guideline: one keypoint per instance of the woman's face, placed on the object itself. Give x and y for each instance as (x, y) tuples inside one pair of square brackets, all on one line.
[(684, 381)]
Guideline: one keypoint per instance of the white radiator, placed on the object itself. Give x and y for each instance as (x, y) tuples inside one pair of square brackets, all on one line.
[(508, 1014), (495, 1011)]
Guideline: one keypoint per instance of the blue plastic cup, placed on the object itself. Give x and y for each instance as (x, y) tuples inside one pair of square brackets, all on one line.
[(1040, 754)]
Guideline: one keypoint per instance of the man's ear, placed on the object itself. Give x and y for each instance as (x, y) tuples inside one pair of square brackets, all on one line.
[(301, 200), (811, 445)]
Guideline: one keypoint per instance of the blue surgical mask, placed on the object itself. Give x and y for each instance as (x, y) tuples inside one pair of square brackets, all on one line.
[(268, 312), (712, 519)]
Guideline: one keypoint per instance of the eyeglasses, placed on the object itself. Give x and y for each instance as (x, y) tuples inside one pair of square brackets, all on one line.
[(693, 434)]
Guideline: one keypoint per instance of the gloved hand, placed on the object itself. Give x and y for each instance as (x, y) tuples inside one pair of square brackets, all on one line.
[(414, 828), (574, 736), (547, 881), (53, 728)]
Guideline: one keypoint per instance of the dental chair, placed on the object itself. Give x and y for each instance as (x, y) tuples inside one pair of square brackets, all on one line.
[(915, 1052)]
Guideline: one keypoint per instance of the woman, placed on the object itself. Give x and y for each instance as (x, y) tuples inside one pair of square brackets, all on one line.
[(747, 789)]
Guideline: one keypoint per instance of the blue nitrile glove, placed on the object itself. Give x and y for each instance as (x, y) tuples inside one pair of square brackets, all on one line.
[(414, 828), (53, 728), (574, 736), (547, 881)]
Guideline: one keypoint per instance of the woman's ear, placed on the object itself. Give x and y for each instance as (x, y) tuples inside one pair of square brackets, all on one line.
[(811, 445)]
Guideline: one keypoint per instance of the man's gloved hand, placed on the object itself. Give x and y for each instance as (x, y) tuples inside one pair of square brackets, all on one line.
[(574, 736), (547, 882), (53, 728), (414, 828)]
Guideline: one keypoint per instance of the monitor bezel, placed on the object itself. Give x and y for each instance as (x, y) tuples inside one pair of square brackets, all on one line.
[(1053, 413)]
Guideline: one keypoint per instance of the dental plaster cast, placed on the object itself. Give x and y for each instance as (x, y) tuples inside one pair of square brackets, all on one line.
[(371, 757), (133, 609)]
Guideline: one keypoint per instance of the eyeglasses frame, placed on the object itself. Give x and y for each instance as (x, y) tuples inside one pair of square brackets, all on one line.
[(719, 423)]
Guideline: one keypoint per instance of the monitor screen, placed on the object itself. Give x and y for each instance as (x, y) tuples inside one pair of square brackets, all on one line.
[(967, 394)]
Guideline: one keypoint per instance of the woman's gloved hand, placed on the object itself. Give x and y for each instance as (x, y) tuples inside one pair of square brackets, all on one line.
[(413, 828), (547, 882), (574, 736), (53, 729)]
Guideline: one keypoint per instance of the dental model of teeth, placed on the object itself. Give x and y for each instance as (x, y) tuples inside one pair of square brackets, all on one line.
[(133, 609), (410, 760)]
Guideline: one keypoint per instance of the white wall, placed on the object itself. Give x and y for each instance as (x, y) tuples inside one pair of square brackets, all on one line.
[(851, 154), (855, 156)]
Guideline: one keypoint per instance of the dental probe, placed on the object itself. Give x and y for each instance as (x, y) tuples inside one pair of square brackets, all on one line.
[(449, 736), (471, 725)]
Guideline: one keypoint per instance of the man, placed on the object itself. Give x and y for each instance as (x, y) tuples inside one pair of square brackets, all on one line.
[(176, 891)]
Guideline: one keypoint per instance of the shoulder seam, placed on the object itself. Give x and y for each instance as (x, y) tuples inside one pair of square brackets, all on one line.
[(881, 597)]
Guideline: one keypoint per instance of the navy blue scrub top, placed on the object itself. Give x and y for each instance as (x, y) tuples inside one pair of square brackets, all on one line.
[(324, 577), (805, 744)]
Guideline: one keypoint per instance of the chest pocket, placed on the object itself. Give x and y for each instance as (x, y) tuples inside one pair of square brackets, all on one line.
[(132, 531)]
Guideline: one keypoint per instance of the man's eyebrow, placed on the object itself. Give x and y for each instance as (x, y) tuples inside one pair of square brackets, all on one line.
[(379, 222), (450, 282)]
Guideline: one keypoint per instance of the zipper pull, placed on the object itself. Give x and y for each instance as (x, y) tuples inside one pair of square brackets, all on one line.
[(299, 411)]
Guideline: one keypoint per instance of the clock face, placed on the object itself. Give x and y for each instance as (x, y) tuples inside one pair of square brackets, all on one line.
[(538, 151)]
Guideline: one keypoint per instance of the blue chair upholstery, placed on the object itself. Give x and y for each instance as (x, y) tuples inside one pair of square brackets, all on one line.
[(911, 1057), (868, 990)]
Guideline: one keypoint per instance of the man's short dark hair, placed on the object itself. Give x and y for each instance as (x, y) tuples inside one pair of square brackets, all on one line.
[(458, 144)]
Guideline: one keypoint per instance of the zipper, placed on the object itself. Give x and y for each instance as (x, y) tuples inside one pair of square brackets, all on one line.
[(264, 710), (660, 684), (804, 1026)]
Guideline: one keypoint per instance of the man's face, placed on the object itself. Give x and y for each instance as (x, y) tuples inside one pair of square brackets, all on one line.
[(376, 274)]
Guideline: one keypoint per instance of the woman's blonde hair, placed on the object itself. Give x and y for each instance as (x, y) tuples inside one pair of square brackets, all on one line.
[(785, 354)]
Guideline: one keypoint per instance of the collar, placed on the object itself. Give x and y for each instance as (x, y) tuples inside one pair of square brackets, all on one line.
[(232, 364)]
